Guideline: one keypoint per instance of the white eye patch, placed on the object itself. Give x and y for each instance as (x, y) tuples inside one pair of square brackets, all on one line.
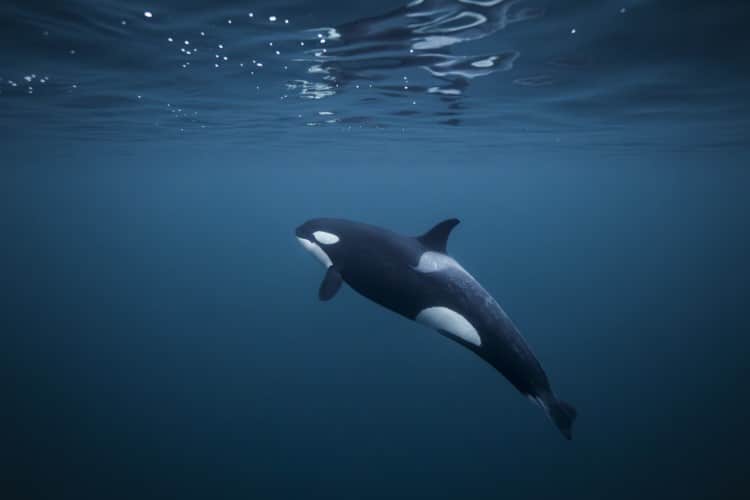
[(325, 238)]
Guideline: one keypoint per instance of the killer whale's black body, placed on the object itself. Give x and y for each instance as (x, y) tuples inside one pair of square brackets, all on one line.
[(410, 275)]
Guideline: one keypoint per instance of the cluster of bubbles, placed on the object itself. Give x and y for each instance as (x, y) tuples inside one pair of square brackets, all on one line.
[(27, 82), (190, 48)]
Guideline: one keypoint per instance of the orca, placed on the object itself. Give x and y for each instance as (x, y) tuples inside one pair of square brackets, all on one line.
[(416, 278)]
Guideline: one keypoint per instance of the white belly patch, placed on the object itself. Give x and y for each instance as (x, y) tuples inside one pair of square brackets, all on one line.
[(449, 321)]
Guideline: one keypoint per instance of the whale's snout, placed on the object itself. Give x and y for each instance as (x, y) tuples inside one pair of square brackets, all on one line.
[(309, 243), (306, 244), (302, 237)]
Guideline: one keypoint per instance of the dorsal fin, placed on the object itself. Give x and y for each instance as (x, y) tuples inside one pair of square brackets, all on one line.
[(437, 238)]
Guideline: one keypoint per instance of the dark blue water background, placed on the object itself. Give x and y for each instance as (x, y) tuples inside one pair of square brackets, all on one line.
[(161, 332)]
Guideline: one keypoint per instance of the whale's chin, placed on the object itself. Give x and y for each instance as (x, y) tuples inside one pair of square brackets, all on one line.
[(315, 249)]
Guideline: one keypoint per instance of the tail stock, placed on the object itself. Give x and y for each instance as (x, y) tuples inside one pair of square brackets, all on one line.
[(561, 413)]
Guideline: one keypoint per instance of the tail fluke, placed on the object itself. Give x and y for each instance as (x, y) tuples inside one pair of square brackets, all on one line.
[(561, 413)]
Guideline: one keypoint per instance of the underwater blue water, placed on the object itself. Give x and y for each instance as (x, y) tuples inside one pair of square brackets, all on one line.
[(161, 331)]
